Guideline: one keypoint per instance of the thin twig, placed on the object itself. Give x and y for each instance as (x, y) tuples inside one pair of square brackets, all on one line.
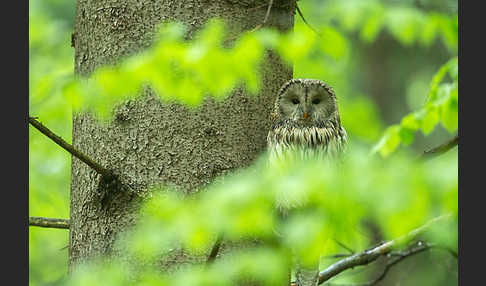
[(372, 254), (256, 7), (447, 249), (49, 222), (344, 246), (305, 22), (68, 147), (441, 149), (267, 14), (270, 4), (259, 26), (338, 255), (214, 250)]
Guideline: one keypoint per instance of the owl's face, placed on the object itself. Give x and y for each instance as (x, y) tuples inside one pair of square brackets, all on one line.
[(306, 102)]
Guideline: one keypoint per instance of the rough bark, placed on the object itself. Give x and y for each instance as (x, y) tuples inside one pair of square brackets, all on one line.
[(155, 142)]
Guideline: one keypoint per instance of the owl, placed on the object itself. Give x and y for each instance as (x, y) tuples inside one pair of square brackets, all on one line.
[(306, 121)]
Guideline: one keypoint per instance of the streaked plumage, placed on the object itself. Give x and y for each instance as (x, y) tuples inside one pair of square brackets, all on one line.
[(305, 120)]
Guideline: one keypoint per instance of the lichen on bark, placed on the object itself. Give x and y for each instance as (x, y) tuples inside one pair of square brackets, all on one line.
[(151, 142)]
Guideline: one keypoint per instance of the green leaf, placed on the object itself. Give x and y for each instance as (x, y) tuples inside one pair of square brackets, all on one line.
[(72, 91), (333, 43), (406, 136), (110, 79), (449, 112), (359, 116), (404, 24), (429, 31), (410, 122), (43, 88), (296, 45), (373, 25), (389, 142), (353, 10), (442, 95), (434, 84), (430, 120), (449, 28), (454, 69)]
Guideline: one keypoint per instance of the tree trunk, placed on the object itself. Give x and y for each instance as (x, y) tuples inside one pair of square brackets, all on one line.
[(151, 142)]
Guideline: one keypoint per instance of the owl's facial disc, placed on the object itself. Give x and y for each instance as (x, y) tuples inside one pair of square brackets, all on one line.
[(307, 104)]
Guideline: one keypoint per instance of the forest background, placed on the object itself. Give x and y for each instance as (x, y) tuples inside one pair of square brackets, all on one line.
[(385, 59)]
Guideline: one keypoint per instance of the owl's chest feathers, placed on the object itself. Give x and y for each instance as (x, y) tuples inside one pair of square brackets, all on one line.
[(310, 141), (327, 143), (309, 137)]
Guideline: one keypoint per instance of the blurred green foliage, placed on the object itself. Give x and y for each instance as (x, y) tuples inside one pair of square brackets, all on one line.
[(407, 24), (441, 106), (397, 193)]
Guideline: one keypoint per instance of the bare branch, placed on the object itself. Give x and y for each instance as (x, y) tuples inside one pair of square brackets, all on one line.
[(441, 149), (397, 257), (68, 147), (393, 259), (49, 222), (372, 254)]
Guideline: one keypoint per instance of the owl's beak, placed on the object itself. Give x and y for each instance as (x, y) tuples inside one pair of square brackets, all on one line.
[(306, 115)]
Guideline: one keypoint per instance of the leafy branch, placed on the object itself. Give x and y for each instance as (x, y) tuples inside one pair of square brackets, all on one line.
[(441, 106), (406, 24)]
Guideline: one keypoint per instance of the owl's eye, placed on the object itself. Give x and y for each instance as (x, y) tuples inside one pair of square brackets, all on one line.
[(316, 101), (295, 101)]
